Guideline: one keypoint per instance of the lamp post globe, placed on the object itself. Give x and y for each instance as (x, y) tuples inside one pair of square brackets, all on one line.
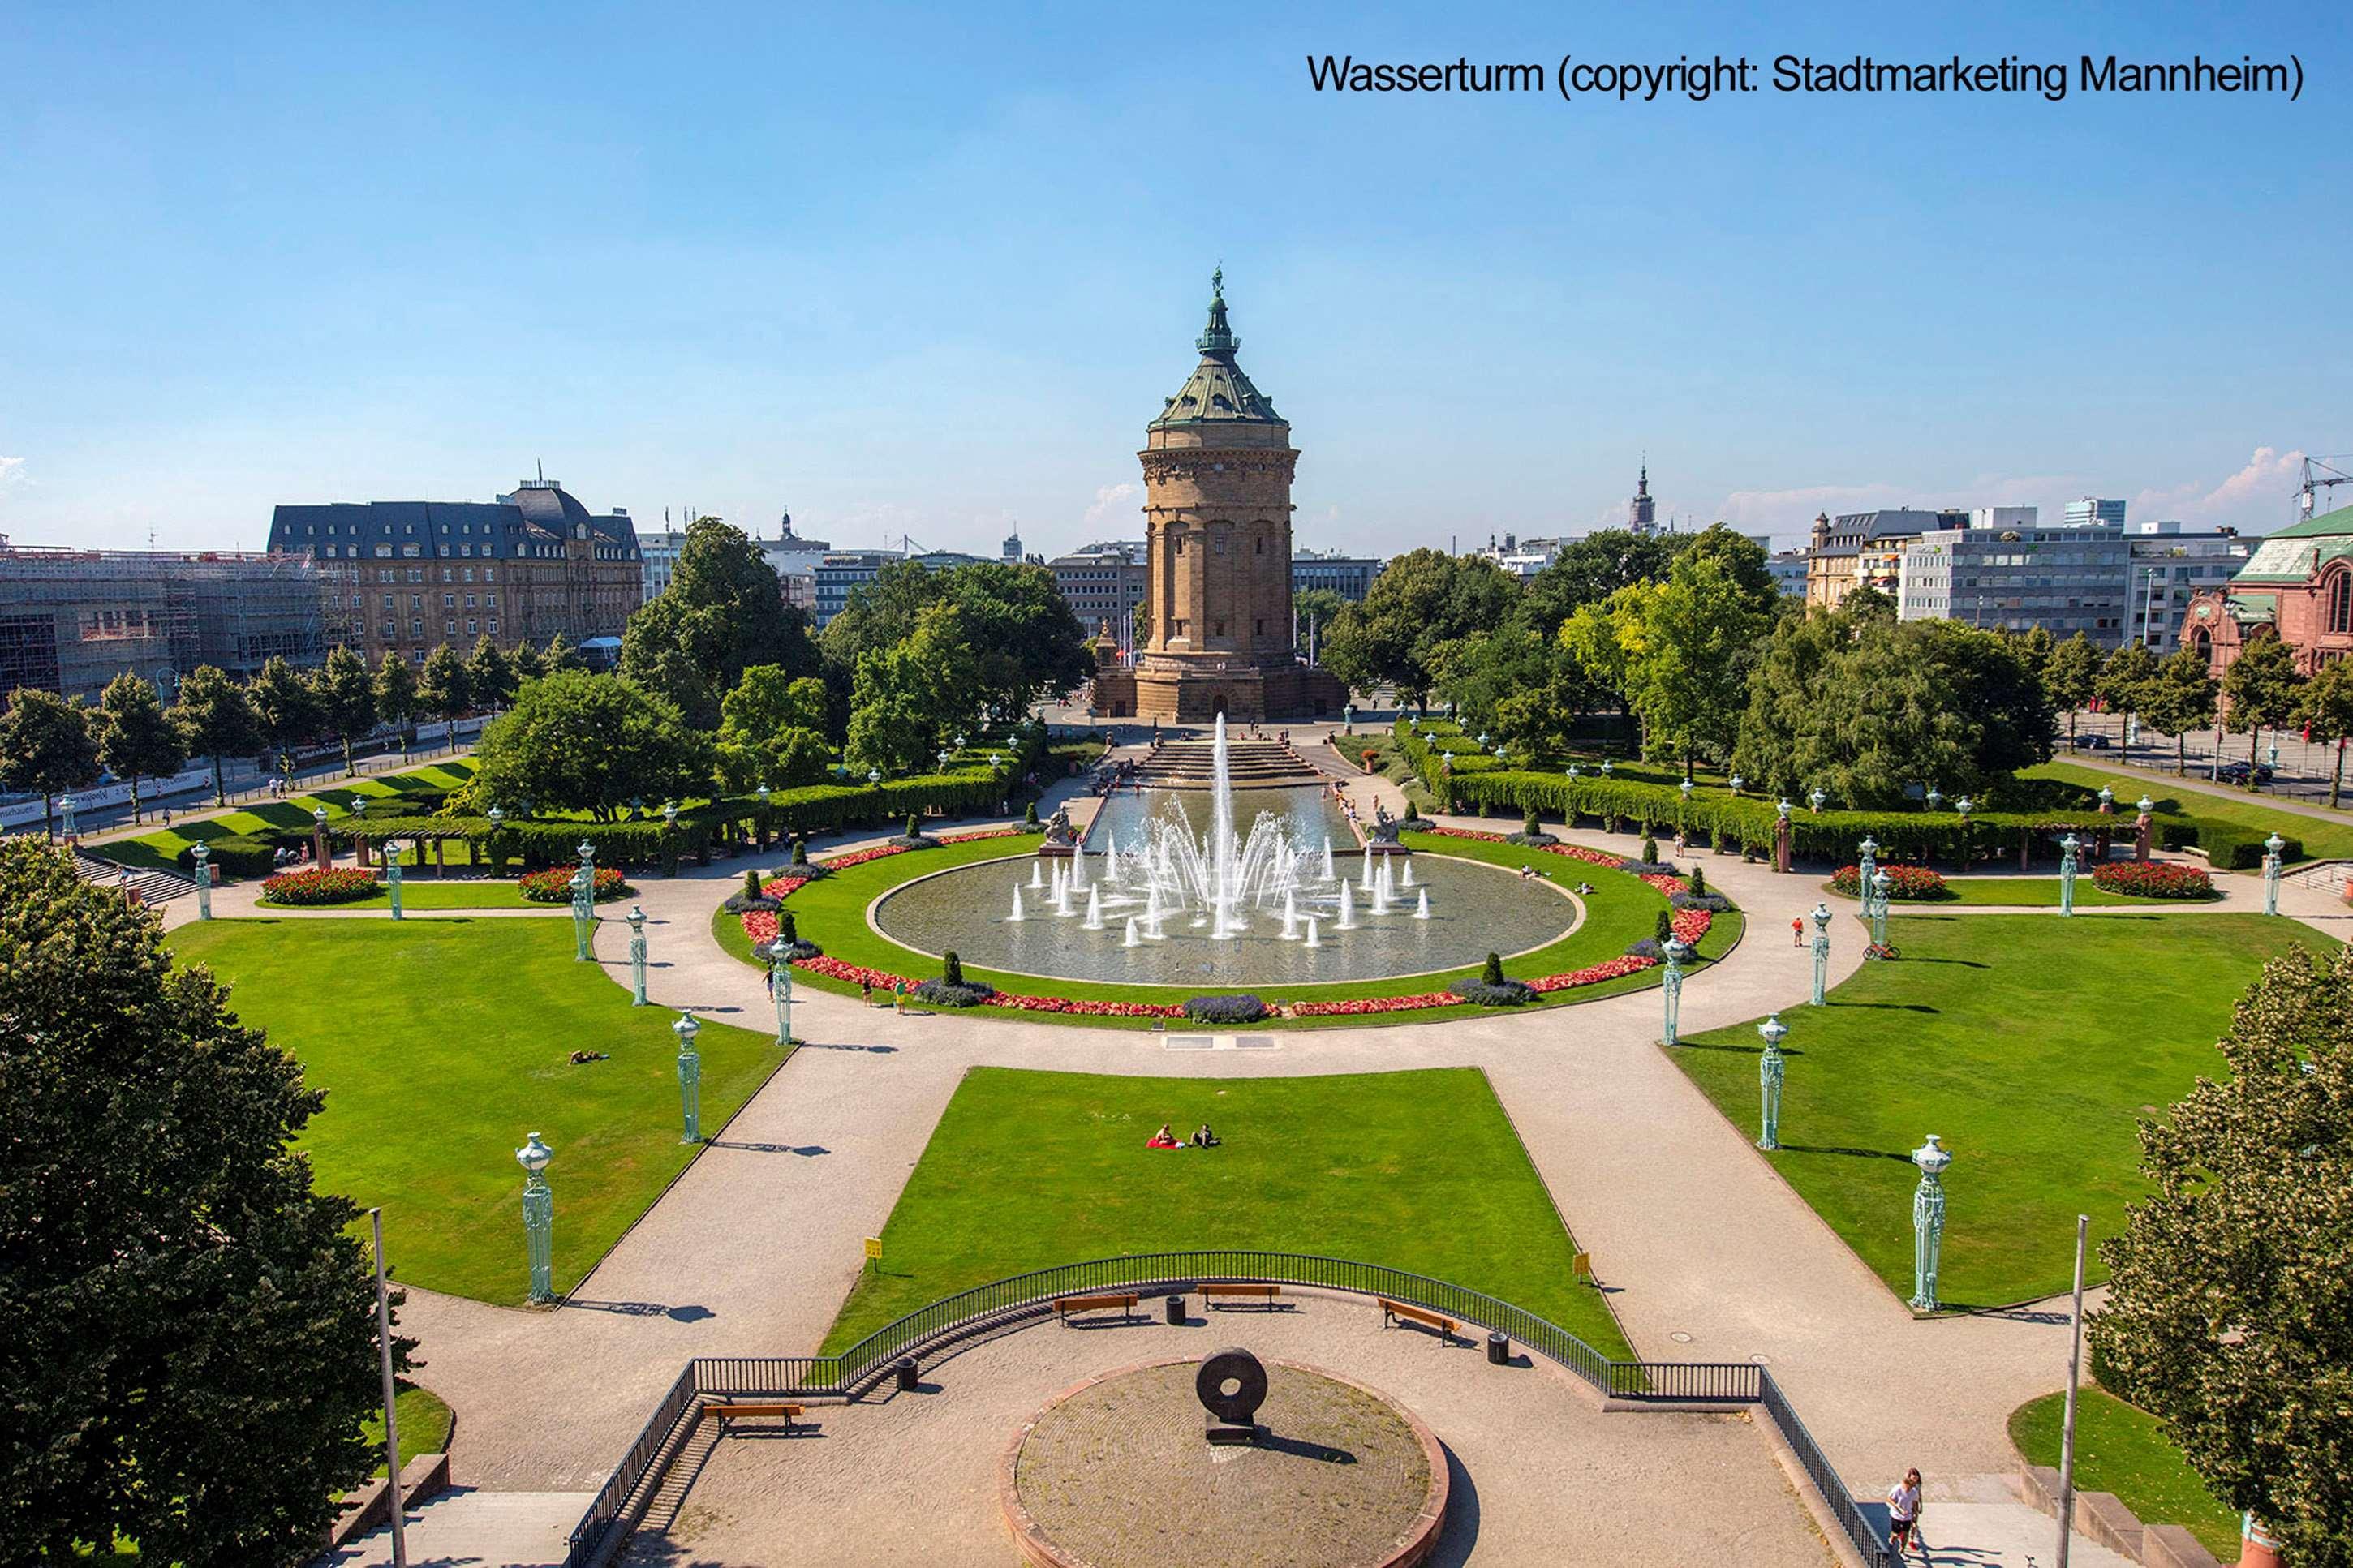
[(690, 1078), (319, 816), (2068, 846), (538, 1216), (2108, 797), (1672, 951), (1821, 919), (2272, 849), (2144, 805), (874, 775), (1771, 1067), (763, 792), (1781, 808), (1964, 804), (637, 919), (1928, 1221), (1572, 773), (1933, 796), (1685, 789), (1608, 767), (201, 853)]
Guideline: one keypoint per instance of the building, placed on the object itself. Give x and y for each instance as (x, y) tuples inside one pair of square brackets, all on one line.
[(2296, 584), (1103, 583), (1334, 571), (1010, 551), (790, 556), (1522, 558), (1863, 549), (658, 554), (1997, 572), (840, 572), (73, 620), (407, 576), (2170, 567), (1643, 511), (1788, 568), (2091, 509), (1218, 466)]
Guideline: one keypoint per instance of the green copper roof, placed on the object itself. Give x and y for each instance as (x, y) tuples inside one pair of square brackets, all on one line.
[(1218, 391), (2294, 554), (2340, 522)]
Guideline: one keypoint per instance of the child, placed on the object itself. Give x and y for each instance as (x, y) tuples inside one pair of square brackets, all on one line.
[(1904, 1512), (1798, 931)]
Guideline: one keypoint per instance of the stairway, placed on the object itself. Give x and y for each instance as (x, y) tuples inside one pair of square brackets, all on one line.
[(153, 887), (1251, 765)]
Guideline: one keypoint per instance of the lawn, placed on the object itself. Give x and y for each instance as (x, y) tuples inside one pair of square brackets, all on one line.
[(2324, 838), (423, 1424), (831, 912), (1420, 1171), (2124, 1449), (159, 849), (2030, 1046), (440, 1044), (2021, 893)]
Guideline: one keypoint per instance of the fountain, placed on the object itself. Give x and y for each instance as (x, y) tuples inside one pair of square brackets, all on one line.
[(1290, 918), (1131, 939), (1368, 872), (1421, 906), (1347, 907), (1016, 902), (1037, 874), (1078, 863), (1313, 940), (1094, 909), (1409, 872), (1381, 892), (1063, 898), (1327, 859)]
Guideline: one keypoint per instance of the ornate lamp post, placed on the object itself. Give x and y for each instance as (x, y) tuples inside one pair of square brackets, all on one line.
[(538, 1216), (690, 1078), (203, 854), (1815, 800), (67, 804), (1735, 782), (1674, 952), (2067, 847), (2272, 848), (583, 900), (1770, 1070), (1821, 919), (637, 919), (320, 854), (1865, 866), (1609, 768), (1934, 796), (1882, 886), (392, 874), (1929, 1222), (780, 988)]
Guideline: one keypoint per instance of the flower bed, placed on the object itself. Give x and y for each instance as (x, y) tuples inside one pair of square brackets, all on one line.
[(297, 890), (2153, 879), (860, 857), (1905, 884), (553, 886), (1014, 832)]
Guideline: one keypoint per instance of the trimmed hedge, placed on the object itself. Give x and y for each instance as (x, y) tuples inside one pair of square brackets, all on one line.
[(244, 853)]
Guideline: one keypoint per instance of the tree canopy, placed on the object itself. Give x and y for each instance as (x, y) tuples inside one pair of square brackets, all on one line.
[(2324, 709), (285, 708), (2178, 698), (2070, 675), (48, 745), (1423, 600), (577, 742), (1025, 640), (772, 730), (722, 612), (909, 698), (136, 740), (188, 1330), (215, 719), (2262, 687), (347, 694)]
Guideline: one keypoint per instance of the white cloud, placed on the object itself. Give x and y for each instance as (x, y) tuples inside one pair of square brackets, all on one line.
[(1111, 503), (12, 474), (1793, 511), (2259, 495)]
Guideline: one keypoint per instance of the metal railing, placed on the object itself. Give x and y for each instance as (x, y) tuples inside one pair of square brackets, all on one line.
[(1001, 1303)]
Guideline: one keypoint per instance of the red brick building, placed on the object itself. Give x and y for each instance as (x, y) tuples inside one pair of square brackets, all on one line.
[(2297, 585)]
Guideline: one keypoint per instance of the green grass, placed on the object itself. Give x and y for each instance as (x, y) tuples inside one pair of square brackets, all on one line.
[(1420, 1171), (423, 1424), (831, 912), (2324, 838), (2030, 1046), (159, 849), (2123, 1450), (2021, 892), (439, 1045)]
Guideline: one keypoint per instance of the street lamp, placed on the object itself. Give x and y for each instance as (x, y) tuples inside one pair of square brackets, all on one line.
[(203, 854), (780, 988), (1608, 767), (1770, 1070), (1882, 884), (1927, 1222), (583, 900), (1674, 952), (1816, 799), (2272, 848), (319, 851), (637, 919), (538, 1216), (1821, 919), (2067, 848), (763, 792), (690, 1078), (1933, 795), (67, 804), (392, 874), (1736, 781), (944, 755)]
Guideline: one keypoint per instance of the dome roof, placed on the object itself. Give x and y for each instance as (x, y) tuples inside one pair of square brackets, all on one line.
[(1218, 391)]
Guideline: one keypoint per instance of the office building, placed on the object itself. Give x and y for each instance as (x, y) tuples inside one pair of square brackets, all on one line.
[(1334, 571), (838, 573), (1103, 583), (2002, 571), (2171, 566), (1788, 569), (658, 553), (2091, 509)]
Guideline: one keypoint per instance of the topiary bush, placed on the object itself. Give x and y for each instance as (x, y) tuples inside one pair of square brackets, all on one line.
[(1242, 1009), (1029, 815), (952, 989), (1491, 989), (1649, 850), (1492, 972)]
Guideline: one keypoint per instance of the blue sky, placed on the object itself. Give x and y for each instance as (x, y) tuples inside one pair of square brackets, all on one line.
[(931, 269)]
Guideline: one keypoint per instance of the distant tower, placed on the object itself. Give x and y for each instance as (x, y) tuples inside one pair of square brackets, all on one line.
[(1011, 549), (1643, 512)]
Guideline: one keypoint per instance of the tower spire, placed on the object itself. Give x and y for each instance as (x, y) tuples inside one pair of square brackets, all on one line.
[(1219, 337)]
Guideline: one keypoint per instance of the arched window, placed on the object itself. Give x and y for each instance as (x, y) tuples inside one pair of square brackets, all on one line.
[(2339, 592)]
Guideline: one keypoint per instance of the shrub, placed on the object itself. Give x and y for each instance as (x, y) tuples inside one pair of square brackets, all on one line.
[(317, 886), (1698, 882), (236, 855), (2153, 879), (1664, 927), (1905, 884), (941, 993), (914, 826), (1242, 1009), (952, 968), (751, 884), (1492, 993), (553, 886), (1649, 850), (1492, 972), (800, 851), (1029, 815), (2234, 848)]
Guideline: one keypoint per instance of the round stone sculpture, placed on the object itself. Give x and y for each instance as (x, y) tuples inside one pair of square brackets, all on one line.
[(1115, 1473)]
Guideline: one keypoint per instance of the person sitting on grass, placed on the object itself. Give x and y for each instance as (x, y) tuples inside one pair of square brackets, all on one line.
[(1164, 1139), (1203, 1138)]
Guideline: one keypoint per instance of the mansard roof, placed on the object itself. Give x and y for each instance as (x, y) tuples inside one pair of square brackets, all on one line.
[(1218, 391)]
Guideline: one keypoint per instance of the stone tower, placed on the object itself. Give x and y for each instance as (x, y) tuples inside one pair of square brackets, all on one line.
[(1643, 511)]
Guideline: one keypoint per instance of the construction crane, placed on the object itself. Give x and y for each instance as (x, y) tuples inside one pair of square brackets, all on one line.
[(2319, 474)]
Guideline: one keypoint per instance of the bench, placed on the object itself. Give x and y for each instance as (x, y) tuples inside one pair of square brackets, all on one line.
[(1397, 1312), (1124, 1301), (741, 1410), (1266, 1295)]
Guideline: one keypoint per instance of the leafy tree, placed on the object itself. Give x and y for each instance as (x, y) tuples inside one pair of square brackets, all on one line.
[(527, 662), (881, 612), (578, 742), (2038, 645), (445, 688), (489, 674), (1689, 644), (722, 612), (1593, 639), (909, 698), (1314, 610), (560, 655), (188, 1328), (287, 709), (2124, 678), (2178, 699), (1743, 560), (2070, 675), (1424, 599), (1026, 641), (772, 730), (2230, 1310), (346, 697), (1782, 744), (1588, 570), (396, 695), (47, 745), (2326, 714), (2261, 688), (136, 740), (215, 719), (1518, 684)]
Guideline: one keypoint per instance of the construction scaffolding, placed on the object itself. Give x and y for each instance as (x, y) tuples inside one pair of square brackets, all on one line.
[(71, 620)]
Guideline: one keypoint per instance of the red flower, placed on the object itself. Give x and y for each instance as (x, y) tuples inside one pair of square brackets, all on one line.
[(320, 886), (1905, 884), (553, 886), (2153, 879)]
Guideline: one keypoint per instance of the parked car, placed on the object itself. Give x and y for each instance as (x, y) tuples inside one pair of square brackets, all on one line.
[(2091, 742), (2236, 772)]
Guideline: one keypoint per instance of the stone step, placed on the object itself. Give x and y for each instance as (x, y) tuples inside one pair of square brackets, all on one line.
[(153, 887)]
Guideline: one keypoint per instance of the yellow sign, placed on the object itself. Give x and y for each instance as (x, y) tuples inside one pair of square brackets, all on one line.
[(873, 1246), (1582, 1262)]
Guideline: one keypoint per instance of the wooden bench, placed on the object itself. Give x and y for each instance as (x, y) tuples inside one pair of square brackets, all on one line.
[(741, 1410), (1267, 1296), (1124, 1301), (1396, 1311)]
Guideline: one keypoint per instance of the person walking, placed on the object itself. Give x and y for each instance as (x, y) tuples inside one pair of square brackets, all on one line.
[(1798, 931), (1903, 1514)]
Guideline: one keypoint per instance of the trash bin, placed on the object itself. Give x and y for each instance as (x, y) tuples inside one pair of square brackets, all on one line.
[(905, 1368), (1176, 1309), (1499, 1349)]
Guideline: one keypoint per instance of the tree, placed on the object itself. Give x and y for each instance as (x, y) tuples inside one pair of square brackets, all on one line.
[(489, 674), (1743, 560), (722, 612), (1026, 641), (136, 740), (1588, 570), (881, 612), (346, 699), (1520, 685), (1312, 611), (772, 730), (578, 742), (1425, 598), (909, 698), (287, 710), (526, 663), (2070, 675), (2124, 678), (445, 688), (2326, 714), (2230, 1310), (2180, 698), (46, 745), (216, 719), (396, 695), (1689, 644), (189, 1329), (2261, 688), (560, 655)]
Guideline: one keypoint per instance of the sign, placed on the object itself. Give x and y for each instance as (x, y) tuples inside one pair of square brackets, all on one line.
[(1582, 1262), (874, 1253)]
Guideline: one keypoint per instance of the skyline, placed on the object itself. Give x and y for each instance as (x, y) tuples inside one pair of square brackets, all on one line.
[(914, 274)]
